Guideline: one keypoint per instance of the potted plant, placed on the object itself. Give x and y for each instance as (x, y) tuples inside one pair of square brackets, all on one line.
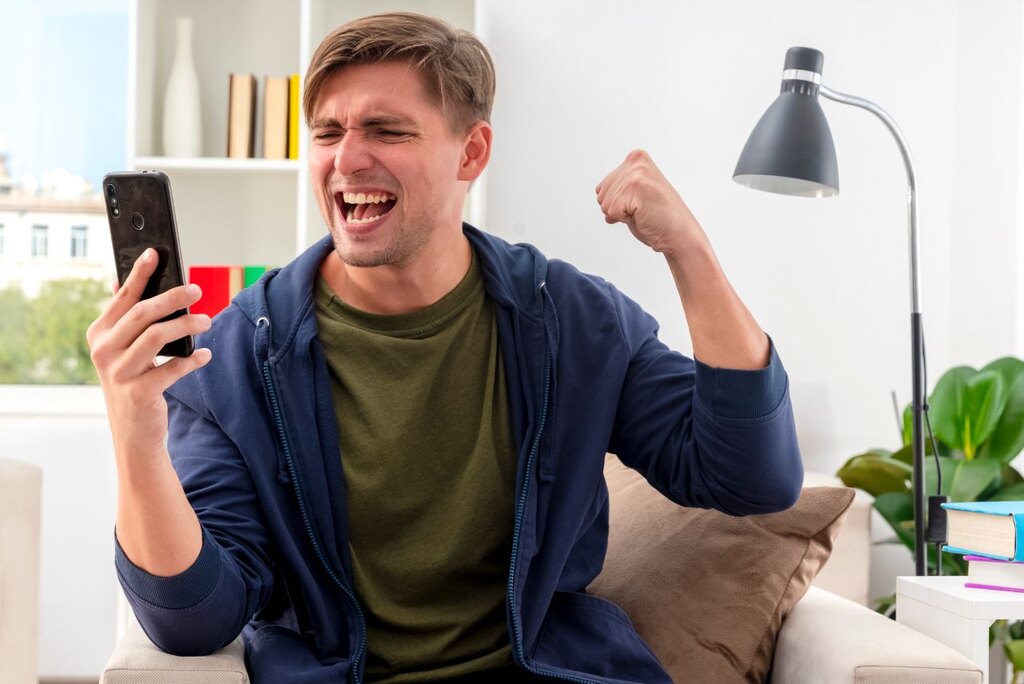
[(976, 430)]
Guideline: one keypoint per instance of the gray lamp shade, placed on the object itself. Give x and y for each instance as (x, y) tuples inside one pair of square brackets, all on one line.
[(790, 150)]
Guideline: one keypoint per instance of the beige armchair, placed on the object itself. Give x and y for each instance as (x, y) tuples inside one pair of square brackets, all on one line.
[(20, 506), (828, 637)]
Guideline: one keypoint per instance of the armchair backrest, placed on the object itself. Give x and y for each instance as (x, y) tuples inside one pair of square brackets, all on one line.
[(20, 513)]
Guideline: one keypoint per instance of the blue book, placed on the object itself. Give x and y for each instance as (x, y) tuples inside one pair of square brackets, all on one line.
[(994, 529)]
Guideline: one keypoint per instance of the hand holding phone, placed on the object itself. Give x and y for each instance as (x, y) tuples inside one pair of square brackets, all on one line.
[(124, 341)]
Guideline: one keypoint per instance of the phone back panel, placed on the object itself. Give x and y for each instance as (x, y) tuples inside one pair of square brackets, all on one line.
[(145, 218)]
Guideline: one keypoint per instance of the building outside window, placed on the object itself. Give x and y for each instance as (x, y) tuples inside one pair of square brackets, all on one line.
[(39, 239), (78, 241)]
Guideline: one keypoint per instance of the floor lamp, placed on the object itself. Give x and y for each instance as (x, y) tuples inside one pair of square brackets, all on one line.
[(791, 152)]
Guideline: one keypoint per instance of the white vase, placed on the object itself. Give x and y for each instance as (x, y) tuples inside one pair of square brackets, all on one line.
[(183, 134)]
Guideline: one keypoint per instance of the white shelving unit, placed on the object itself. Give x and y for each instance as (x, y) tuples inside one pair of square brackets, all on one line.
[(239, 211)]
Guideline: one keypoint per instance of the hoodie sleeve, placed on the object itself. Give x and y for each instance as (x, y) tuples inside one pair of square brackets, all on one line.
[(705, 437), (205, 607)]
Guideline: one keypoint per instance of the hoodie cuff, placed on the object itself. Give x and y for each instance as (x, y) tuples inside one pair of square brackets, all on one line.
[(742, 394), (183, 590)]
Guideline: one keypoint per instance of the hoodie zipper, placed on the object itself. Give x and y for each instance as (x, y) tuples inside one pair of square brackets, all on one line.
[(279, 421), (517, 629)]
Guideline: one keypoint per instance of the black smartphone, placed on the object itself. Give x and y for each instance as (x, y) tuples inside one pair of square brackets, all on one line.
[(141, 214)]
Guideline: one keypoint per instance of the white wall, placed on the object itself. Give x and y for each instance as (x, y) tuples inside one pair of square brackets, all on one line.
[(986, 206), (828, 279)]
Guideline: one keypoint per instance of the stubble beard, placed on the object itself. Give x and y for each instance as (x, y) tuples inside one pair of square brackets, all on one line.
[(405, 241)]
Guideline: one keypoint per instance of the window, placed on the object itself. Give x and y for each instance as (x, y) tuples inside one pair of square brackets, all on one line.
[(39, 235), (52, 159), (78, 236)]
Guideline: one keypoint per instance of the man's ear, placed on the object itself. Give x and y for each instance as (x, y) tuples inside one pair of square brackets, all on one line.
[(476, 151)]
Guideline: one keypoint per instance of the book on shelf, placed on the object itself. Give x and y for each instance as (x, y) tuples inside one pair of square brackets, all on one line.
[(275, 116), (219, 284), (293, 116), (992, 573), (250, 274), (994, 529), (241, 116)]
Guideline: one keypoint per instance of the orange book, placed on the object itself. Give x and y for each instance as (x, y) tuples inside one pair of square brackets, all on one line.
[(219, 284)]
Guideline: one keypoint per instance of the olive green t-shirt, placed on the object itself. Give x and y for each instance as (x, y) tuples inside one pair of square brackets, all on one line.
[(429, 463)]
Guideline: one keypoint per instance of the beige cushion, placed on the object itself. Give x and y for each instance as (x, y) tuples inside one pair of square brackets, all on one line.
[(136, 659), (709, 591)]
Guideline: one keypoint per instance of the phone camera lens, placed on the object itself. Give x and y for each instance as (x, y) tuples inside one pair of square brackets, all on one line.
[(137, 220), (110, 189), (116, 212)]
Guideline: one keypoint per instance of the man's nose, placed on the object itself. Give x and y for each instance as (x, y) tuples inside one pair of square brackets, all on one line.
[(352, 154)]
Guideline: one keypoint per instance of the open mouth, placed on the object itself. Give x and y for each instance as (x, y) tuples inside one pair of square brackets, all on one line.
[(358, 208)]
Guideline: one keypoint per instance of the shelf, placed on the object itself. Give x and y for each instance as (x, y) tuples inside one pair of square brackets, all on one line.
[(204, 164)]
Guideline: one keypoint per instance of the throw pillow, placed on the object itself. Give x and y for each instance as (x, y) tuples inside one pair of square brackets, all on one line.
[(708, 591)]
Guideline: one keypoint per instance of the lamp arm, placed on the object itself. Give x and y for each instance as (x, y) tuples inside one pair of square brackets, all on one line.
[(916, 330), (915, 281)]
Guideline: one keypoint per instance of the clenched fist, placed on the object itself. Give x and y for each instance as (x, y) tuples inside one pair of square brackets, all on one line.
[(637, 194)]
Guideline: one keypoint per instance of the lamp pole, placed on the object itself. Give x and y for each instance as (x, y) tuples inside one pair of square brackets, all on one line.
[(916, 336)]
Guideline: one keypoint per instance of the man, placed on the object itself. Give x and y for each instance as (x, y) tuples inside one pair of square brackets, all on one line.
[(385, 461)]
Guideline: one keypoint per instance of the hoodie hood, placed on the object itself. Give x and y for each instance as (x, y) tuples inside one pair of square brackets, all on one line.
[(513, 276)]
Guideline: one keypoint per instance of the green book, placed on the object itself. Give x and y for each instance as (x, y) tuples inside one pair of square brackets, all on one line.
[(252, 274)]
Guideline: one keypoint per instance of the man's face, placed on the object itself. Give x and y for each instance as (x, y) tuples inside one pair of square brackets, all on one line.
[(383, 164)]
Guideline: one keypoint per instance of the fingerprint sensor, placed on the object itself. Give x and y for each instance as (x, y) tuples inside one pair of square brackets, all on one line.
[(137, 220)]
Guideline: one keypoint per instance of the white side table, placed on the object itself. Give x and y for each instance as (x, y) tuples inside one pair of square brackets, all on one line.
[(958, 616)]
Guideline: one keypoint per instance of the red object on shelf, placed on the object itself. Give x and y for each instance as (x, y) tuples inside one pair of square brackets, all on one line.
[(219, 284)]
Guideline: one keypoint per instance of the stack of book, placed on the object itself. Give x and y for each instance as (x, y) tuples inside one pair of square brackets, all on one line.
[(280, 115), (220, 284), (990, 536)]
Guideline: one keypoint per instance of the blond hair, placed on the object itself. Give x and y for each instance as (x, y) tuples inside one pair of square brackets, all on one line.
[(456, 68)]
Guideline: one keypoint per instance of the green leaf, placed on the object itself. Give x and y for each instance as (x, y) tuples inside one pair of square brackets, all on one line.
[(1010, 475), (1015, 629), (948, 463), (1007, 439), (908, 424), (876, 474), (969, 479), (1008, 367), (966, 406), (1015, 654), (986, 398), (886, 604), (898, 509), (906, 454), (953, 564), (1014, 492), (947, 405)]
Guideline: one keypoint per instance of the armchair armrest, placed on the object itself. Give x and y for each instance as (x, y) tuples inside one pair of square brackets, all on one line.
[(137, 661), (826, 638)]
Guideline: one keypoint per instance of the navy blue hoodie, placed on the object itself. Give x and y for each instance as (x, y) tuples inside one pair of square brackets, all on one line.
[(254, 440)]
